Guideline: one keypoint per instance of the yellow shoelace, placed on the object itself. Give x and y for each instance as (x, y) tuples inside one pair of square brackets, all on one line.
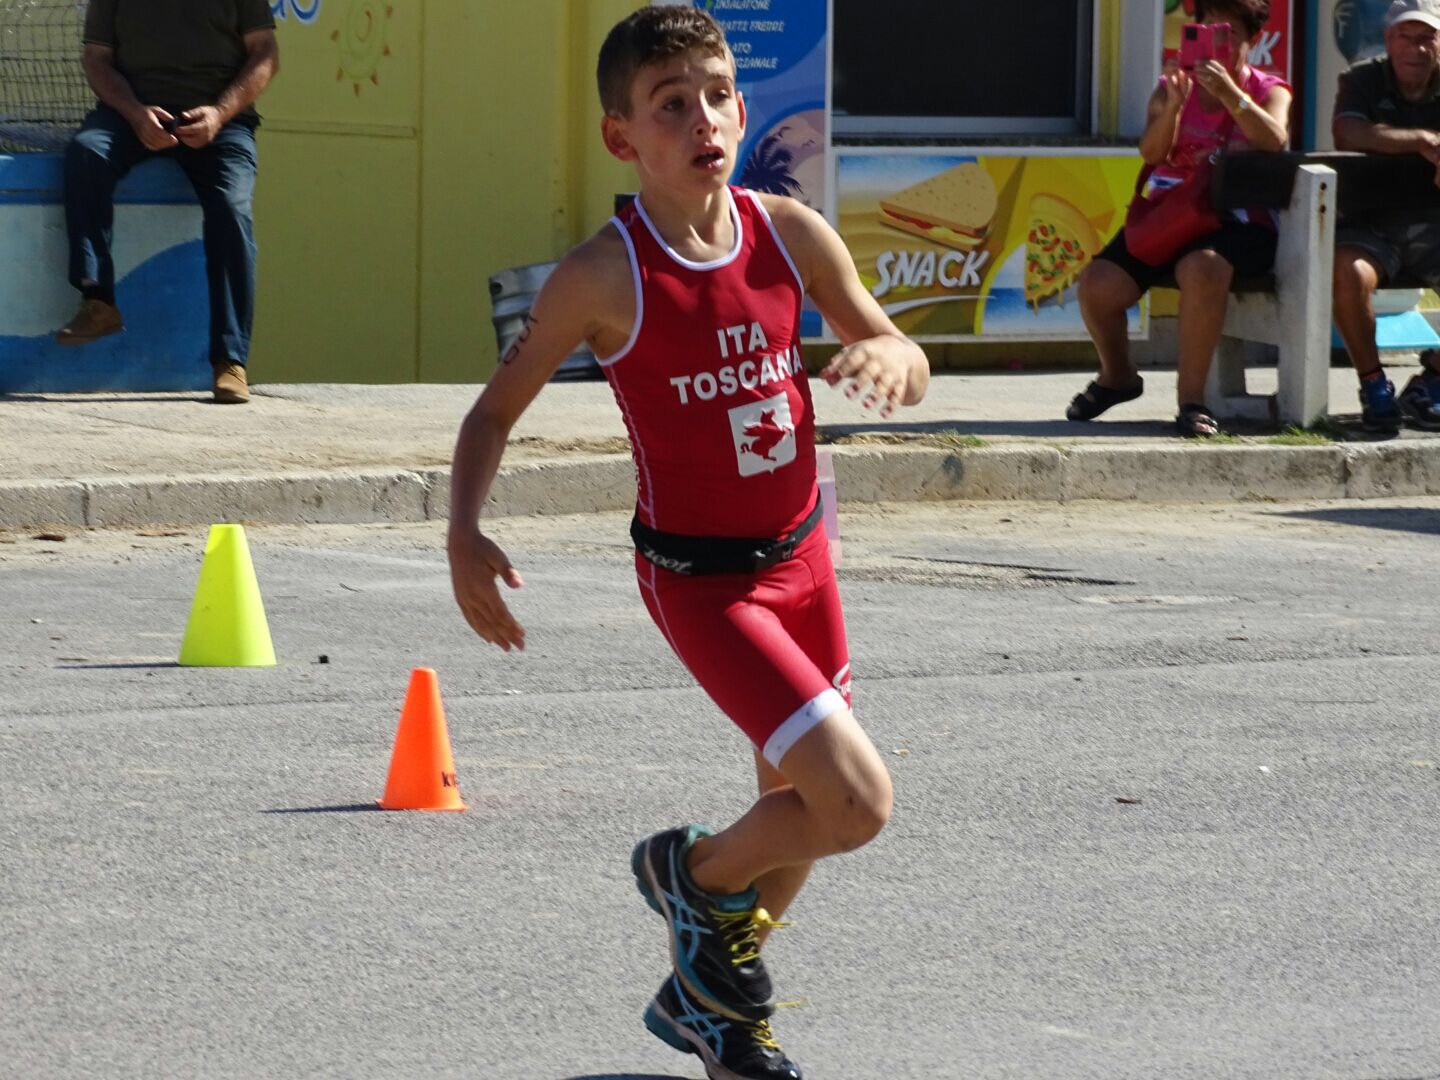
[(763, 1035), (738, 929)]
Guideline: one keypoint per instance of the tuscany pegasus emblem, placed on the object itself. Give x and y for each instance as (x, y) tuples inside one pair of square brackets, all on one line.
[(764, 435)]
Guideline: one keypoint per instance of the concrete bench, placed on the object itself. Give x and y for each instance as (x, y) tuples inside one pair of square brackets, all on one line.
[(160, 284), (1287, 314)]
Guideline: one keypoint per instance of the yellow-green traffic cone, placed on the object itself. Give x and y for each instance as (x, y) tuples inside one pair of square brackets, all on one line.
[(227, 626)]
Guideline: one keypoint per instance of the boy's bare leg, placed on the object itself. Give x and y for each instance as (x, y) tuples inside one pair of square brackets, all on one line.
[(838, 797), (777, 887)]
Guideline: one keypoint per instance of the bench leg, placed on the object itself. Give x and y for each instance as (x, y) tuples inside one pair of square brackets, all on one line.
[(1225, 390)]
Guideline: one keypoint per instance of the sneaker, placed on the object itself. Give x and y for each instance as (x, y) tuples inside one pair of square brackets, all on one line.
[(231, 386), (1378, 411), (712, 938), (1418, 401), (730, 1049), (95, 319)]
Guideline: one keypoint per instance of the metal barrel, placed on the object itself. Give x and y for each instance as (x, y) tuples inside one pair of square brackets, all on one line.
[(512, 291)]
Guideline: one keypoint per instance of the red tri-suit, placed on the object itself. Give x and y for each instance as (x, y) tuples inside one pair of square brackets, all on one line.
[(718, 408)]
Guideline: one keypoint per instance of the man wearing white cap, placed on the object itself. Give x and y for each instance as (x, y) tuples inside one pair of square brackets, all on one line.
[(1391, 105)]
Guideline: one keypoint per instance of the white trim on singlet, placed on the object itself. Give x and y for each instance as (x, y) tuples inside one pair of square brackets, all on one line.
[(639, 295), (799, 722), (713, 264), (755, 200)]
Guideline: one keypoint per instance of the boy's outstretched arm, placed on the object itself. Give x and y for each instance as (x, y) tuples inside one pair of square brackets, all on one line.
[(883, 364), (558, 320)]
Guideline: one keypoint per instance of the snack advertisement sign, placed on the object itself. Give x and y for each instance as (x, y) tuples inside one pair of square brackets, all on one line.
[(957, 244)]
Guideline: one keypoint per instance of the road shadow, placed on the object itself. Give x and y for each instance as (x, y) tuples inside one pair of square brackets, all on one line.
[(82, 398), (119, 667), (343, 808), (1413, 519)]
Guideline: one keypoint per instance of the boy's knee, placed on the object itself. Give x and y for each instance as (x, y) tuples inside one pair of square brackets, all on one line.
[(864, 812)]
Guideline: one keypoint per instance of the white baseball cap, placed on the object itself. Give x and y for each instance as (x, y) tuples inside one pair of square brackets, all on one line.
[(1423, 11)]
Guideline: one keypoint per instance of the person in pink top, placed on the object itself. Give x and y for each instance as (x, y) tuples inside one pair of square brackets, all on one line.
[(1191, 117), (691, 299)]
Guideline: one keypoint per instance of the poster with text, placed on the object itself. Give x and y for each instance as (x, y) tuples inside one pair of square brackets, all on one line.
[(957, 245)]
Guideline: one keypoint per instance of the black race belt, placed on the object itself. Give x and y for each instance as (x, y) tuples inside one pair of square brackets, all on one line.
[(699, 555)]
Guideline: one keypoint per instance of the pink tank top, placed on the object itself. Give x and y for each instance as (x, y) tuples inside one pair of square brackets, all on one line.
[(1201, 133), (711, 385)]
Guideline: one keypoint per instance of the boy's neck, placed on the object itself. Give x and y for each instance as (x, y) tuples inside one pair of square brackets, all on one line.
[(699, 229)]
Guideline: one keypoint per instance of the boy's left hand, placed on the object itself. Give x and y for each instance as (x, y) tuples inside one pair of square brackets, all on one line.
[(874, 369)]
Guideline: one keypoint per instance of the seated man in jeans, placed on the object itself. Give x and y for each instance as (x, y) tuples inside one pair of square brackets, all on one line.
[(1390, 105), (178, 78)]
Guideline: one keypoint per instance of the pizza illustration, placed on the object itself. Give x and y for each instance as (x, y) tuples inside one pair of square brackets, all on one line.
[(1059, 243)]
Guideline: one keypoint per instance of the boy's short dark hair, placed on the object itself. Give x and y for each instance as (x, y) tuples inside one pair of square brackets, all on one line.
[(649, 36), (1253, 14)]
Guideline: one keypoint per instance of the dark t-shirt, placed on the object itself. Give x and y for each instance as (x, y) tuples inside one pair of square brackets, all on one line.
[(1369, 91), (177, 53)]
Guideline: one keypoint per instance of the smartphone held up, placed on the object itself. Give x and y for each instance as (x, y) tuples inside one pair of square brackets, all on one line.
[(1200, 42)]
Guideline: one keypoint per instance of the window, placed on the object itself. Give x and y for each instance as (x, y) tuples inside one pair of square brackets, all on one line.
[(948, 68)]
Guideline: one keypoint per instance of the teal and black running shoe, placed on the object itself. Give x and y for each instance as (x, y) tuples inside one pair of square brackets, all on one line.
[(730, 1049), (713, 941)]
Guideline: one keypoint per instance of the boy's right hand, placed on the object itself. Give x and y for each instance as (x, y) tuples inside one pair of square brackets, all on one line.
[(475, 562)]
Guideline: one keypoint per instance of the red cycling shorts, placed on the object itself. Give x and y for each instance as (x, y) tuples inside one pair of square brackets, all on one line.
[(768, 647)]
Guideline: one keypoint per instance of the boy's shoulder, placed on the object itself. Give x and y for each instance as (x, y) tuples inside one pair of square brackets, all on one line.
[(601, 253)]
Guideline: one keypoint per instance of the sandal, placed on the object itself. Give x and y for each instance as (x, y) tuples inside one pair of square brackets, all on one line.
[(1195, 422), (1095, 399)]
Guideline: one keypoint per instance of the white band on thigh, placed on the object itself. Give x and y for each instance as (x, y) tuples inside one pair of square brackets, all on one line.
[(801, 721)]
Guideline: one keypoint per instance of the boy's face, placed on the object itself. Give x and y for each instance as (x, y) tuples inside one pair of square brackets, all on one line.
[(685, 124)]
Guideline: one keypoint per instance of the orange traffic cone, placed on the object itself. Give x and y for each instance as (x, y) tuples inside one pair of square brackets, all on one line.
[(422, 770)]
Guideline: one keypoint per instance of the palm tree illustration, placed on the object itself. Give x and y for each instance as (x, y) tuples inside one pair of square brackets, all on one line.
[(768, 169)]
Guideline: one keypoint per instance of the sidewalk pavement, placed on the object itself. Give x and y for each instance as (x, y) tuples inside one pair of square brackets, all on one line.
[(346, 453)]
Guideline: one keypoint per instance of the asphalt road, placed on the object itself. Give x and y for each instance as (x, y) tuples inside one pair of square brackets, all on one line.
[(1167, 806)]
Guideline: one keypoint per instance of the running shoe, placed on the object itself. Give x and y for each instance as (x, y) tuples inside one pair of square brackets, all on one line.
[(713, 941), (730, 1049), (1419, 402), (1378, 411)]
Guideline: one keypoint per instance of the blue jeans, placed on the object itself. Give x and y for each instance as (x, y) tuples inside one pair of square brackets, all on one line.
[(223, 175)]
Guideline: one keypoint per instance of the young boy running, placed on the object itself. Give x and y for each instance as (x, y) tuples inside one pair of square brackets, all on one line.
[(691, 299)]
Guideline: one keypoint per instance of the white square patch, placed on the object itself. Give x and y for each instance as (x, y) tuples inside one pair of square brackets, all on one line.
[(764, 435)]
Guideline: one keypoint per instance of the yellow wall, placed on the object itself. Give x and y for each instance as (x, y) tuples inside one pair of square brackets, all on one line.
[(408, 151)]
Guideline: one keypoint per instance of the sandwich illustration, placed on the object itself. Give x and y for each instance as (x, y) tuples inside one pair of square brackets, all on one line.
[(953, 208), (1059, 243)]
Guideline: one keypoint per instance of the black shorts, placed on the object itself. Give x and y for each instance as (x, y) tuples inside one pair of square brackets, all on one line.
[(1249, 248), (1410, 249)]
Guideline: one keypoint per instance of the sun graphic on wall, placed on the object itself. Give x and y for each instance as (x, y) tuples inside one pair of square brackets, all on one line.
[(362, 42)]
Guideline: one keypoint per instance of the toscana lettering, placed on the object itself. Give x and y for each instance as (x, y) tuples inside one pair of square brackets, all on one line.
[(746, 375)]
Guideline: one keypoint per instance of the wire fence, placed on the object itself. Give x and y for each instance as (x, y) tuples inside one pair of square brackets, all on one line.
[(43, 92)]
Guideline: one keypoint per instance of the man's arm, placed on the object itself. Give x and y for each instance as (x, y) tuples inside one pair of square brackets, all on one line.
[(885, 365), (114, 90), (262, 61), (1357, 133)]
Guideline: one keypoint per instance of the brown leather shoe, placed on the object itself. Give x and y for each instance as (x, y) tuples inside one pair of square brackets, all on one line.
[(95, 319), (231, 386)]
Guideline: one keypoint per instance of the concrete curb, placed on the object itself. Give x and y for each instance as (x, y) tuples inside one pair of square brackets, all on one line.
[(864, 474)]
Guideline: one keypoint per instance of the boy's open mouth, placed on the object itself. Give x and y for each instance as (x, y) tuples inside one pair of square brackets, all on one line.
[(710, 158)]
